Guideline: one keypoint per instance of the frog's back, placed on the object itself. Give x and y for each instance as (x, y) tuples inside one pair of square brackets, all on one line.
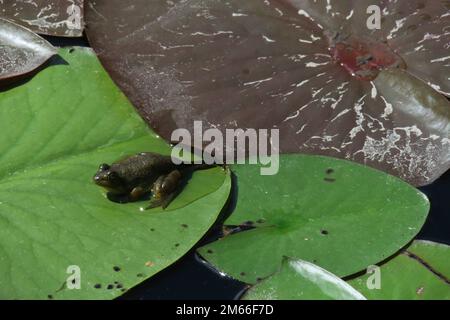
[(143, 166)]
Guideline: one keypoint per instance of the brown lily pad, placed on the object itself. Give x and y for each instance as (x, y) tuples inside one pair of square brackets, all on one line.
[(62, 18), (310, 68), (22, 51)]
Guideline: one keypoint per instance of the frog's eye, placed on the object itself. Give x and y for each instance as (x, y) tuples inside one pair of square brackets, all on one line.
[(112, 176), (104, 167)]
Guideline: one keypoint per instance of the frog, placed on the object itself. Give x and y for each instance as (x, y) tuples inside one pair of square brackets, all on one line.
[(145, 173)]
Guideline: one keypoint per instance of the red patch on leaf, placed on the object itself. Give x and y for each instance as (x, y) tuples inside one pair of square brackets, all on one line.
[(363, 58)]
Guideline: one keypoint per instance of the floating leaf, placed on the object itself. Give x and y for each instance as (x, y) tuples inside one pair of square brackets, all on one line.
[(302, 280), (339, 215), (421, 272), (57, 129), (264, 64), (51, 17), (22, 51), (416, 30)]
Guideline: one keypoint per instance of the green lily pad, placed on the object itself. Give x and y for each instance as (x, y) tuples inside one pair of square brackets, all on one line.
[(57, 129), (337, 214), (421, 272), (302, 280)]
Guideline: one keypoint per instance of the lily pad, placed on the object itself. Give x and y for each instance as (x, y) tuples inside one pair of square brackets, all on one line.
[(302, 280), (57, 129), (286, 64), (62, 18), (417, 30), (339, 215), (420, 272), (22, 50)]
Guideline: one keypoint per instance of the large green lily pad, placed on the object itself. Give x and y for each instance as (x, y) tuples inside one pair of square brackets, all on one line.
[(339, 215), (421, 272), (302, 280), (56, 130)]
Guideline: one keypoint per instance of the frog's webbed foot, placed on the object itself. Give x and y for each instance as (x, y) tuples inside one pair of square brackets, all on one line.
[(161, 202), (164, 189)]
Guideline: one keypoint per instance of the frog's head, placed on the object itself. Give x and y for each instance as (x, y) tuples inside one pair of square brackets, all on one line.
[(109, 179)]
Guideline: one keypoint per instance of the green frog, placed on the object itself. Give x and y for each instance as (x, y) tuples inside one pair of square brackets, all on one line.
[(142, 174)]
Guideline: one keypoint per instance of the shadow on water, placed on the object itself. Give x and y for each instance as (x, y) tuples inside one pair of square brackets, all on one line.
[(437, 226), (67, 42)]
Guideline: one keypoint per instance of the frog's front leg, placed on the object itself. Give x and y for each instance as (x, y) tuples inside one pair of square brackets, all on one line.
[(164, 189), (137, 193)]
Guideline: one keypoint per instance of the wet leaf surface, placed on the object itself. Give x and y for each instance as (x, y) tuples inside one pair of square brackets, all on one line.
[(57, 129), (22, 51), (416, 30), (265, 64), (420, 272), (339, 215), (302, 280), (51, 17)]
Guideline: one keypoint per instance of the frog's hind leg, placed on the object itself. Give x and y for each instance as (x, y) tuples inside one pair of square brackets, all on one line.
[(162, 202), (165, 189)]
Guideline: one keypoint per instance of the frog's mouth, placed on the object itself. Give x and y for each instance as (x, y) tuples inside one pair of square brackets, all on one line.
[(108, 186), (103, 183)]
